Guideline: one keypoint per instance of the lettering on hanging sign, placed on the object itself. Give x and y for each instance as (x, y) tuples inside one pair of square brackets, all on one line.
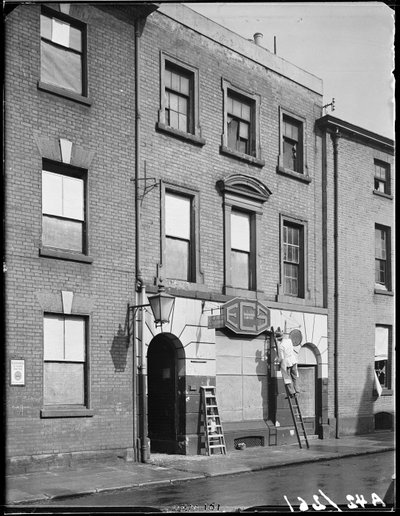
[(246, 316)]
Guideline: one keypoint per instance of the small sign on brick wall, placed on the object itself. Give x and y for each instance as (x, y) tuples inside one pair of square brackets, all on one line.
[(17, 372)]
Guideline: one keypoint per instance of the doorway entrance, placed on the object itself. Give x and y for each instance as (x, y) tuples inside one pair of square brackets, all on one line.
[(162, 395), (308, 397)]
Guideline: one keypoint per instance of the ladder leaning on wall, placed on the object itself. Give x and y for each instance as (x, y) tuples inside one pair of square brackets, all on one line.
[(294, 408)]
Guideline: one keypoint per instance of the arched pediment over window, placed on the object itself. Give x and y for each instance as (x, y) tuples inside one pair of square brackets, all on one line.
[(244, 186)]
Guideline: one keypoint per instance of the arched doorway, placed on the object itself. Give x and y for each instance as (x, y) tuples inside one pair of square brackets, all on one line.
[(164, 403)]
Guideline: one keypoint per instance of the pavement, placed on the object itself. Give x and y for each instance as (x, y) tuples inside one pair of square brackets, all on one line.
[(31, 488)]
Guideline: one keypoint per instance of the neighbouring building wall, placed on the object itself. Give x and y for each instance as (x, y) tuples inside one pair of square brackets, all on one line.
[(361, 305), (100, 133)]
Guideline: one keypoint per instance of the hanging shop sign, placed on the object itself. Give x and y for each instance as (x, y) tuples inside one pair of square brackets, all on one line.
[(244, 316)]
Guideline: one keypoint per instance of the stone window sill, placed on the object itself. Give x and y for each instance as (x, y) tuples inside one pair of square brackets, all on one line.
[(387, 392), (61, 92), (52, 412), (241, 156), (382, 194), (181, 135), (383, 292), (64, 255), (242, 292), (295, 175), (282, 298)]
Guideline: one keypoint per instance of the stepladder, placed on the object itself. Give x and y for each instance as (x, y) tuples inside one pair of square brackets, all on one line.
[(213, 432)]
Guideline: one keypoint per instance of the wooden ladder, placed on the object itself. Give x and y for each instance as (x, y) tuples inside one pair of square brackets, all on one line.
[(214, 435), (297, 418), (294, 408)]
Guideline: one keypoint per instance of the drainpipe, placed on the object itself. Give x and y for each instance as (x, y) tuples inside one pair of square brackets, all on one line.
[(140, 290), (139, 278), (335, 139)]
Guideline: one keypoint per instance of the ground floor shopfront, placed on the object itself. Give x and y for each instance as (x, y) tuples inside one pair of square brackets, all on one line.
[(197, 348)]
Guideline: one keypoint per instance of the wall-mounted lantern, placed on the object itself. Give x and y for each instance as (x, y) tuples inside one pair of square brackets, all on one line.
[(161, 304)]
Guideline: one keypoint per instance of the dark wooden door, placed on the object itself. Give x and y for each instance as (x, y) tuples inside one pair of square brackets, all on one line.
[(162, 396)]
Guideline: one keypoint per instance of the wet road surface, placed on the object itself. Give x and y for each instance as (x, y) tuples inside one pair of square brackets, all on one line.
[(344, 482)]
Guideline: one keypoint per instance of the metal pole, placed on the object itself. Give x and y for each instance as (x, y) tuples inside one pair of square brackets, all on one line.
[(137, 157), (138, 275), (144, 444), (134, 386), (335, 137)]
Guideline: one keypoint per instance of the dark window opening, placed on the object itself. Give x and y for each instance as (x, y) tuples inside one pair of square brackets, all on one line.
[(382, 262), (292, 144), (239, 124), (382, 177)]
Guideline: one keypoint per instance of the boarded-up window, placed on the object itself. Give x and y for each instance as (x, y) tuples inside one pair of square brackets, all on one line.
[(63, 208), (62, 55), (64, 354)]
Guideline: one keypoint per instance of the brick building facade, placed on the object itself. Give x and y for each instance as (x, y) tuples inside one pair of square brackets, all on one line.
[(361, 309), (167, 147)]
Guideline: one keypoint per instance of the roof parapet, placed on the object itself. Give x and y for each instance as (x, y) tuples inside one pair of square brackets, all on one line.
[(212, 30)]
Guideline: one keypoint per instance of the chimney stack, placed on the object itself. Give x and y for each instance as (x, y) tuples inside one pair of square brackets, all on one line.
[(257, 38)]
